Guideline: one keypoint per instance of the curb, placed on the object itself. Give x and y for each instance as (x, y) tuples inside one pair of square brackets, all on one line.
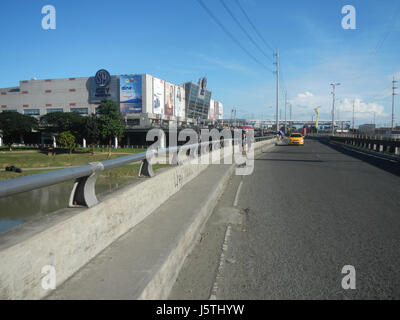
[(162, 282)]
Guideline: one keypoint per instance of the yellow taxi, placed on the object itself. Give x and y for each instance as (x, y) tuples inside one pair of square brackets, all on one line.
[(296, 139)]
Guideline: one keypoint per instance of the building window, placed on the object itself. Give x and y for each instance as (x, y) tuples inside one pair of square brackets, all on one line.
[(52, 110), (32, 112), (11, 110), (48, 91), (72, 90), (49, 105), (24, 92), (47, 80), (133, 122), (80, 110), (25, 105), (3, 93), (3, 106)]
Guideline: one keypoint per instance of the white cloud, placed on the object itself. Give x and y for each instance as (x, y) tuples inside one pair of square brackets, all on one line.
[(305, 103), (361, 107), (305, 95)]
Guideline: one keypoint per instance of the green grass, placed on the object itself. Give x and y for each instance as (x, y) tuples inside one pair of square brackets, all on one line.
[(128, 171), (33, 158), (36, 159), (6, 149), (6, 175), (119, 150)]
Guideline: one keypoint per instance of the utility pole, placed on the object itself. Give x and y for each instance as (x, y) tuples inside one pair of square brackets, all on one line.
[(277, 89), (285, 111), (354, 101), (393, 94), (333, 106)]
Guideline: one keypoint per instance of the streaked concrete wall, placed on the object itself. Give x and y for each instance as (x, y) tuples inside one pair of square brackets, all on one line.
[(69, 238)]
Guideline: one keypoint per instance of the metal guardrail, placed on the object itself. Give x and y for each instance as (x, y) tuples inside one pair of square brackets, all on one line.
[(263, 138), (357, 136), (83, 192)]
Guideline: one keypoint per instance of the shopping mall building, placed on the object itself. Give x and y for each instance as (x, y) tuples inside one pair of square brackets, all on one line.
[(145, 101)]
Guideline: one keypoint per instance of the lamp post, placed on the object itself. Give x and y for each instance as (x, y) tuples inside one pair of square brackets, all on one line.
[(333, 105)]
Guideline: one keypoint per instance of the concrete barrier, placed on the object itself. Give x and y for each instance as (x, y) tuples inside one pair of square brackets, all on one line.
[(69, 238)]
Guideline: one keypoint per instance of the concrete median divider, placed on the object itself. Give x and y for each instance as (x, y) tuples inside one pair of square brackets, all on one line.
[(68, 239)]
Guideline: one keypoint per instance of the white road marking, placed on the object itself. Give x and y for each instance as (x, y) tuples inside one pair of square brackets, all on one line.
[(237, 194), (213, 295)]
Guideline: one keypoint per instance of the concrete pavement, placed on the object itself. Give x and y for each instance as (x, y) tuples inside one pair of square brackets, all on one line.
[(306, 212), (144, 262)]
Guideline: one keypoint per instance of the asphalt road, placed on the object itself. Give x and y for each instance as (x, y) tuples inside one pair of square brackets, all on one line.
[(306, 213)]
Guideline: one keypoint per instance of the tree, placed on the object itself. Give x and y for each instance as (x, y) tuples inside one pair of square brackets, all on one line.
[(57, 122), (67, 140), (91, 130), (14, 125), (111, 122)]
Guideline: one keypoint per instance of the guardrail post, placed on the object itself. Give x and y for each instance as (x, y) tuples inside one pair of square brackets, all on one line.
[(146, 169), (83, 193)]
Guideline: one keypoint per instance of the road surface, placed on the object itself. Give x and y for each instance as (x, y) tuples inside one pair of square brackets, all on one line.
[(304, 214)]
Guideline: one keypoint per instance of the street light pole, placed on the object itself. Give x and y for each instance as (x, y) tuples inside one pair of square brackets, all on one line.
[(277, 90), (285, 111), (333, 106), (393, 94), (353, 114)]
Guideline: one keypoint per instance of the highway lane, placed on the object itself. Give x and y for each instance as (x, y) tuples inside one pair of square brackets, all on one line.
[(309, 211), (301, 216)]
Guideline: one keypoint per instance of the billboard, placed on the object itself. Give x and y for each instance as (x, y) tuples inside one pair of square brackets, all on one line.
[(130, 94), (158, 96), (211, 111), (220, 111), (216, 109), (169, 99), (180, 102)]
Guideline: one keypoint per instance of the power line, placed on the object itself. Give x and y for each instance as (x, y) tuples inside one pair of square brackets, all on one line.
[(231, 35), (244, 30), (254, 27), (388, 32)]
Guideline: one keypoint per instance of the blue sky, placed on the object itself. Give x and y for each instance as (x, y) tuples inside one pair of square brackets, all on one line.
[(176, 40)]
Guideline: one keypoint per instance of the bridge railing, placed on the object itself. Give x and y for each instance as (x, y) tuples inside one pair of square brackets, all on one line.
[(264, 138), (374, 143), (83, 192)]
